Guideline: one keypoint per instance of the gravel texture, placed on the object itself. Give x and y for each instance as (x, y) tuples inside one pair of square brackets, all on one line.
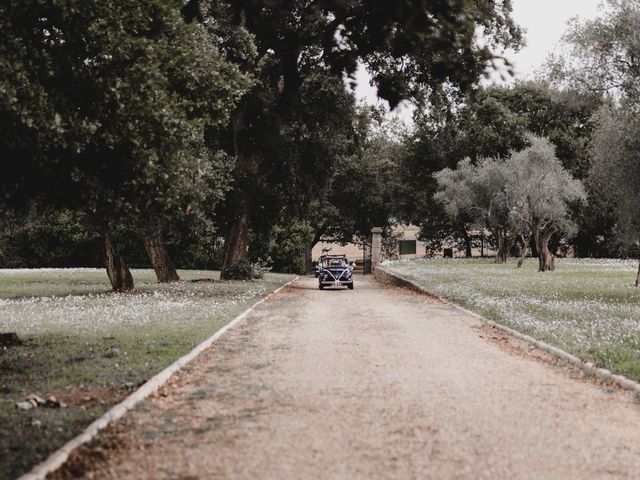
[(371, 383)]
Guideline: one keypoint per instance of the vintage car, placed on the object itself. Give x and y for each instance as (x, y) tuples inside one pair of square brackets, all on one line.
[(335, 271)]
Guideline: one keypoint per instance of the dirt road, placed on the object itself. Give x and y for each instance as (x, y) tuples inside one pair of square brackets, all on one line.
[(371, 383)]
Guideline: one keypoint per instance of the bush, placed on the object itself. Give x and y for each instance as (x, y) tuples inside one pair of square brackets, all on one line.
[(287, 246), (248, 270)]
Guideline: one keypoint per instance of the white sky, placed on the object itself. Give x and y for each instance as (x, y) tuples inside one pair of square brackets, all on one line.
[(545, 22)]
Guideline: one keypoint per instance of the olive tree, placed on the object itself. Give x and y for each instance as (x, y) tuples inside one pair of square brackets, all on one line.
[(603, 54), (539, 192), (478, 191)]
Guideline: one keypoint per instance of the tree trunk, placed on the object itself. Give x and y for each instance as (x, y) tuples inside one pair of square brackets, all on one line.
[(248, 156), (308, 253), (307, 259), (523, 250), (503, 246), (545, 257), (236, 240), (532, 245), (236, 244), (158, 256), (638, 277), (467, 243), (117, 269)]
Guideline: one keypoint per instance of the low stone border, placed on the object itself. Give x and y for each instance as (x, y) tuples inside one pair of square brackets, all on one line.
[(384, 275), (58, 458)]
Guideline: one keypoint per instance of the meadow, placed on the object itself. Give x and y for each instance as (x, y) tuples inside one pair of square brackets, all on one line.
[(90, 347), (588, 307)]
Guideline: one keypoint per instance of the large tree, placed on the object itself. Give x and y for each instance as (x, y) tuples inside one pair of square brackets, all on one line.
[(478, 191), (343, 181), (490, 122), (602, 54), (539, 192), (105, 105), (528, 193), (433, 145), (361, 189), (411, 49)]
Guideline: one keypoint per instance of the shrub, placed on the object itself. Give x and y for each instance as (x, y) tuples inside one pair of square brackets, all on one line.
[(248, 270)]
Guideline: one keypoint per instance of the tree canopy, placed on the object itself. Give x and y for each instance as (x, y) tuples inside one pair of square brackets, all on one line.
[(616, 170), (107, 103)]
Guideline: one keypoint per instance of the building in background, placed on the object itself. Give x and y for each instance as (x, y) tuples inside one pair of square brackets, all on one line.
[(408, 246)]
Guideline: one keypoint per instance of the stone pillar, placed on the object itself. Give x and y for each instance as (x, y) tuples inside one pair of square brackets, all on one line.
[(376, 247)]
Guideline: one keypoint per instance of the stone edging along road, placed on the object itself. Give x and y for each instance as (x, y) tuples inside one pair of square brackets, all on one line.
[(58, 458), (384, 275)]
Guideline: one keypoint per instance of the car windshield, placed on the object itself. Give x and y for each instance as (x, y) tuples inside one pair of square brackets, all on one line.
[(335, 262)]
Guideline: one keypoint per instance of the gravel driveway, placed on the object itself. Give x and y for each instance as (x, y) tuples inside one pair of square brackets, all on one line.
[(371, 383)]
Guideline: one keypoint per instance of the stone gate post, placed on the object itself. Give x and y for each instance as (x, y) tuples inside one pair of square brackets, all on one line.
[(376, 247)]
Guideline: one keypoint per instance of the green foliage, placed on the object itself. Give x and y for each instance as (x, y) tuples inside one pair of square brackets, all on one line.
[(528, 193), (409, 48), (63, 238), (297, 40), (616, 169), (539, 189), (46, 238), (602, 54), (496, 120), (109, 102), (492, 122), (288, 244), (361, 189), (433, 145), (122, 111), (602, 57), (477, 192)]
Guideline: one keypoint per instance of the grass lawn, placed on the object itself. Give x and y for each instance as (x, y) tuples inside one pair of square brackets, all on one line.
[(90, 347), (587, 307)]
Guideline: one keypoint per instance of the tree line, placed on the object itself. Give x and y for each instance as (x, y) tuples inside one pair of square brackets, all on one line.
[(551, 165), (216, 133), (129, 123)]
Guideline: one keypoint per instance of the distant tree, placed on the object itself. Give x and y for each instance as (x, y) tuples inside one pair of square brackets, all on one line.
[(529, 192), (37, 236), (365, 182), (602, 57), (616, 170), (343, 183), (433, 145), (478, 191), (295, 166), (496, 119), (603, 54), (539, 192), (490, 122)]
